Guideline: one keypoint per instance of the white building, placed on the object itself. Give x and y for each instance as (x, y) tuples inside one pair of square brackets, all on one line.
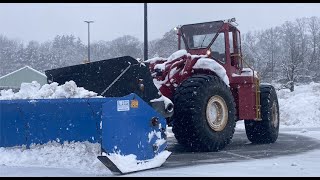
[(26, 74)]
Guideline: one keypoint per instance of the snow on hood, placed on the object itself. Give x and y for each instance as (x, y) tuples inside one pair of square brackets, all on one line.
[(173, 56), (155, 59), (202, 63), (212, 65), (34, 90), (177, 54)]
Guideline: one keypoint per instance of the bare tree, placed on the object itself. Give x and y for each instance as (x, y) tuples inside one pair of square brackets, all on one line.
[(165, 46), (10, 55), (126, 46), (294, 39), (314, 29), (101, 50), (270, 47), (249, 49)]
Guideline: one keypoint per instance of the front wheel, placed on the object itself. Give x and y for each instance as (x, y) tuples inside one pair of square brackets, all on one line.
[(204, 117), (266, 130)]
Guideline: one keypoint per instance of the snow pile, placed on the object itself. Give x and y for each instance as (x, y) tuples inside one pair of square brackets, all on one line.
[(300, 108), (48, 91), (129, 163), (82, 155), (79, 155), (206, 63)]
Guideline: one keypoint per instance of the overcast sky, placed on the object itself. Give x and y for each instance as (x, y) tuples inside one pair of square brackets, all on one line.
[(43, 21)]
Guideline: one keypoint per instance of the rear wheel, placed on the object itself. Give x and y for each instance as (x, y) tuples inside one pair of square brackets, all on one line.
[(204, 117), (266, 130)]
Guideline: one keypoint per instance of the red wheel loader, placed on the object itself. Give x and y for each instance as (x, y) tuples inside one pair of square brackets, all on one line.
[(211, 89), (204, 88)]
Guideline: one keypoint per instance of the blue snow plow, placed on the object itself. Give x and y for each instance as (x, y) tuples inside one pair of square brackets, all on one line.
[(125, 124)]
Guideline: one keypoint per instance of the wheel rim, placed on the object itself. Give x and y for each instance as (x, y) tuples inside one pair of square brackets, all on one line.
[(217, 113), (275, 115)]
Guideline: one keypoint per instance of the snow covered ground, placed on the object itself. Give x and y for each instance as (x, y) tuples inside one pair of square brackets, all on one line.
[(306, 164), (299, 113)]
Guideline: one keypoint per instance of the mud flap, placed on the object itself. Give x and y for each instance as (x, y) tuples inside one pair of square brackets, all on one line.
[(133, 135)]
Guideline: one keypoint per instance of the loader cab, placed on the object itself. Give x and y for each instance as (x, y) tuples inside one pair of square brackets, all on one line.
[(220, 40)]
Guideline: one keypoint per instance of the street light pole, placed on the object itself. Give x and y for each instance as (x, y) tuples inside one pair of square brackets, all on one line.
[(88, 38), (145, 32)]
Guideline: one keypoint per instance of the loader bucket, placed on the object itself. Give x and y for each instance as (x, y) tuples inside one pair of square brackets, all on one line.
[(114, 77), (133, 135)]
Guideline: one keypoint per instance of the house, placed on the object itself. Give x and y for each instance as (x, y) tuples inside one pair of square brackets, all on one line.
[(26, 74)]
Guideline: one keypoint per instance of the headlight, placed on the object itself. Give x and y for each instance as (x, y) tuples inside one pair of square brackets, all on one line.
[(208, 52)]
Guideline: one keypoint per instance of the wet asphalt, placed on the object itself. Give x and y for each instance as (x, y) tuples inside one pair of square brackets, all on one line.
[(240, 149)]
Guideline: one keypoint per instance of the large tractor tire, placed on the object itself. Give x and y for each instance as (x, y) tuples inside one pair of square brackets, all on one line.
[(265, 131), (204, 117)]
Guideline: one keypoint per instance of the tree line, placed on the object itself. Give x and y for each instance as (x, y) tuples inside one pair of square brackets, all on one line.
[(286, 54)]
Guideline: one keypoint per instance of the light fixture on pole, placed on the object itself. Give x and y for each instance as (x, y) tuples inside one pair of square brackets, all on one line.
[(88, 38)]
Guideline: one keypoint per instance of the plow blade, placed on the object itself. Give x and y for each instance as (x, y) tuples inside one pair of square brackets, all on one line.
[(133, 135)]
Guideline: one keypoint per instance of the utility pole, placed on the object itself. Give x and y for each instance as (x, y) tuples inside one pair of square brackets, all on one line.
[(145, 32), (88, 38)]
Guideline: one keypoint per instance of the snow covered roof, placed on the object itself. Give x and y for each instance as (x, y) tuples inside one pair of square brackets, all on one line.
[(25, 74), (26, 67)]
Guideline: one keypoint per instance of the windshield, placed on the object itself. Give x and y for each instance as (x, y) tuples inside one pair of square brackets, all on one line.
[(200, 35)]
